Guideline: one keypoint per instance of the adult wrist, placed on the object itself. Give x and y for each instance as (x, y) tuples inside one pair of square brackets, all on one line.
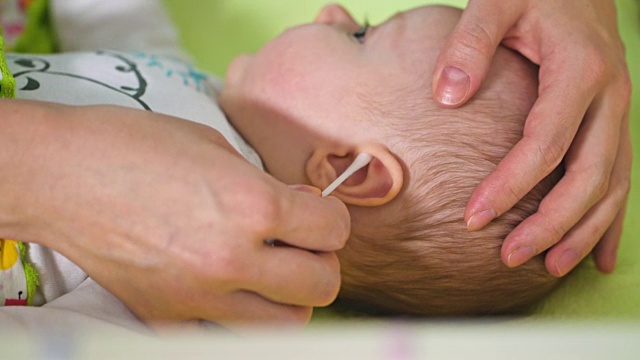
[(24, 130)]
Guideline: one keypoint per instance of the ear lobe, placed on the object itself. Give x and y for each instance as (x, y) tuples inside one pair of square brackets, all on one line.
[(376, 184)]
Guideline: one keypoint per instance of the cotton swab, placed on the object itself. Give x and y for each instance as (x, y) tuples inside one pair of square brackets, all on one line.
[(358, 163)]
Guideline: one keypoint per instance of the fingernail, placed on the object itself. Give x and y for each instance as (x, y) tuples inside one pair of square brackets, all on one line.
[(479, 220), (567, 261), (453, 85), (305, 188), (520, 255)]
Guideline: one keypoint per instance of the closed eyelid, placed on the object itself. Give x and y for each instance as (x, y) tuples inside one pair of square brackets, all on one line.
[(350, 27), (343, 28)]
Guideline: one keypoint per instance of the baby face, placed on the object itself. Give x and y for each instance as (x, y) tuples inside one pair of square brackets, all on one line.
[(313, 85)]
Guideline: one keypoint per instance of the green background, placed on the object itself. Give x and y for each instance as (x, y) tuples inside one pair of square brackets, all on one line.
[(216, 31)]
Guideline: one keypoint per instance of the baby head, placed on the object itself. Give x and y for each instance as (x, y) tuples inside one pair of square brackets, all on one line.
[(318, 95)]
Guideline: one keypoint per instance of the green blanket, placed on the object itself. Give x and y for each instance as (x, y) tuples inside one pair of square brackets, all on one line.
[(216, 31)]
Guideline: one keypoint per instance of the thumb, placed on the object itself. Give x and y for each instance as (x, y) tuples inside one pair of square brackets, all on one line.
[(466, 55)]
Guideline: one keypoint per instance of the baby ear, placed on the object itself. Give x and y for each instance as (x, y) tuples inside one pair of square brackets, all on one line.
[(375, 184)]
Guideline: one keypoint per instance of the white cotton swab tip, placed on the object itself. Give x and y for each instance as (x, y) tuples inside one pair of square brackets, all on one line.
[(358, 163)]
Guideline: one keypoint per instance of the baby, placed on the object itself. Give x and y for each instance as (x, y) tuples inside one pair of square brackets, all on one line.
[(314, 98), (317, 96)]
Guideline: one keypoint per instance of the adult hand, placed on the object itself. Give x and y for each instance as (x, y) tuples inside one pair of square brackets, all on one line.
[(581, 115), (163, 213)]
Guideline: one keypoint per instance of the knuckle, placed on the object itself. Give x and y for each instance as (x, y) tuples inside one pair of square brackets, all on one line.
[(551, 153), (621, 185), (596, 184), (267, 214), (555, 228), (473, 41), (598, 68), (257, 205), (557, 232), (511, 190), (594, 231), (224, 269), (624, 186), (599, 186)]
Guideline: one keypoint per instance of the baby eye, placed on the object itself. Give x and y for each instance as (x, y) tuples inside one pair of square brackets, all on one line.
[(361, 34)]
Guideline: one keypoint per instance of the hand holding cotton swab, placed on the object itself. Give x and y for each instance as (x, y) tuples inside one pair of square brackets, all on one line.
[(358, 163)]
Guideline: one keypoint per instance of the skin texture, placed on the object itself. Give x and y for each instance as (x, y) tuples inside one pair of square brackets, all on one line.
[(581, 116), (312, 99), (166, 215), (205, 257), (301, 132)]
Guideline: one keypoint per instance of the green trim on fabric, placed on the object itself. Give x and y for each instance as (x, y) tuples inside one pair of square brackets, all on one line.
[(30, 273), (7, 83), (38, 36)]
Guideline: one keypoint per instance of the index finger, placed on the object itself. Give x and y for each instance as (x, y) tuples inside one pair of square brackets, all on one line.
[(311, 222), (549, 130)]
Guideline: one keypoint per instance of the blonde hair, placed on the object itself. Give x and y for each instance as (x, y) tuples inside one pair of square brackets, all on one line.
[(421, 259)]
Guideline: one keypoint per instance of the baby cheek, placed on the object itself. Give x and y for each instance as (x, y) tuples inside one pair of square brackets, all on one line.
[(295, 82), (282, 87), (289, 79), (290, 70)]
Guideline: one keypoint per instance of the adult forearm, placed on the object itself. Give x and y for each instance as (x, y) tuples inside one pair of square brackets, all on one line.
[(163, 213)]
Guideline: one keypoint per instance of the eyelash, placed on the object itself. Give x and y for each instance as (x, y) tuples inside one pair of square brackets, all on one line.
[(361, 33)]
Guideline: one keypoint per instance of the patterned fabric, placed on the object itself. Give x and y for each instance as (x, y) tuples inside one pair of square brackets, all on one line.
[(18, 279)]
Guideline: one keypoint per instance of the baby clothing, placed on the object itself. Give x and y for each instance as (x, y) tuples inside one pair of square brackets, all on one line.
[(18, 278)]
